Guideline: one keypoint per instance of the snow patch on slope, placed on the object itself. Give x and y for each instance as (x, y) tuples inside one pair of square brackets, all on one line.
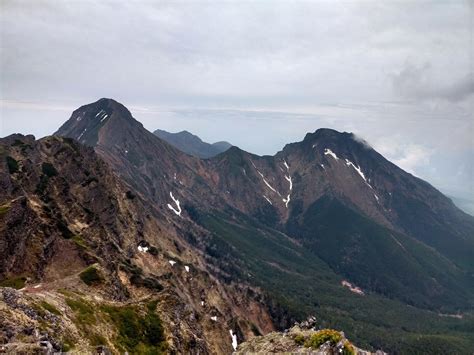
[(84, 131), (268, 200), (287, 199), (359, 171), (290, 181), (264, 180), (328, 151), (234, 339), (142, 249), (176, 201)]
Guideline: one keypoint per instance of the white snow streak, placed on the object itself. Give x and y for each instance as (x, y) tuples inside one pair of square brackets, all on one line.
[(287, 199), (265, 181), (98, 113), (328, 151), (214, 318), (322, 166), (172, 262), (84, 131), (359, 171), (202, 303), (291, 182), (287, 167), (176, 201), (103, 118), (268, 200), (234, 339), (376, 197), (186, 267)]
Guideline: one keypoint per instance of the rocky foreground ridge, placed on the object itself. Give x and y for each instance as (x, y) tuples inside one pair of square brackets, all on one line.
[(303, 338)]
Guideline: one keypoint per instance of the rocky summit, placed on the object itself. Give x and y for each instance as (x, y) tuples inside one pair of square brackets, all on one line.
[(118, 241)]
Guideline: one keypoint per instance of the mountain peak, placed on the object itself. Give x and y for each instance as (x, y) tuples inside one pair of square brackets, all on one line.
[(87, 121), (191, 144), (327, 133)]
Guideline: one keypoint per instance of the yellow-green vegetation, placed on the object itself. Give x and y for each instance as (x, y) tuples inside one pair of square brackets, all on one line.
[(65, 292), (83, 310), (322, 336), (317, 339), (91, 276), (79, 241), (14, 282), (50, 308), (67, 344), (85, 318), (138, 332), (4, 209), (348, 348), (299, 339)]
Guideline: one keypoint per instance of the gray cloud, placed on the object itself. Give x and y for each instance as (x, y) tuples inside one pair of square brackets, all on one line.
[(392, 72), (417, 83)]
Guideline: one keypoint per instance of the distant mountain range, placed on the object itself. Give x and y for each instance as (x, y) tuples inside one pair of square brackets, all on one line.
[(192, 144), (231, 246)]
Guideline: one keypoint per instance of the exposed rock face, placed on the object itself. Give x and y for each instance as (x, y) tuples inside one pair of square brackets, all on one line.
[(192, 144), (68, 223)]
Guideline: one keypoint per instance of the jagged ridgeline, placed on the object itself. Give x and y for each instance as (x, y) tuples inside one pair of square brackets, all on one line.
[(105, 224)]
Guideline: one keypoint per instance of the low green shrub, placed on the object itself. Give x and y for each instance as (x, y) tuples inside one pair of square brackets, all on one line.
[(49, 170), (323, 336), (299, 339), (50, 308), (12, 165), (4, 209), (138, 333), (14, 282), (91, 276), (83, 310)]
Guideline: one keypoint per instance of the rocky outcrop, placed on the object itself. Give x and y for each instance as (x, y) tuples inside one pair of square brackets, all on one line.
[(303, 338)]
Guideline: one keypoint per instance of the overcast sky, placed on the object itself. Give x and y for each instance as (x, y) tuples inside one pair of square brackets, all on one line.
[(258, 74)]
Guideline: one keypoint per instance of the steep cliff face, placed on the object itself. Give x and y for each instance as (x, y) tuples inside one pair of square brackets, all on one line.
[(75, 236)]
